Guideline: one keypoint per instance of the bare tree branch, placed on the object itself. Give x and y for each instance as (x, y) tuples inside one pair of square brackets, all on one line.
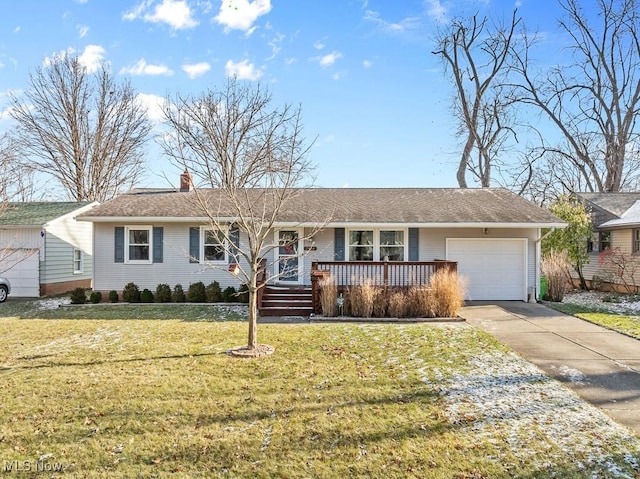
[(249, 159), (85, 130)]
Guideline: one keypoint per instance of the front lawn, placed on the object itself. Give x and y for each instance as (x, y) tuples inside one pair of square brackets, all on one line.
[(143, 398), (624, 323)]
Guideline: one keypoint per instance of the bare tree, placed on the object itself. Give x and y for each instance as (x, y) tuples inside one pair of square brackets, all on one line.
[(16, 184), (593, 100), (84, 129), (477, 59), (252, 158)]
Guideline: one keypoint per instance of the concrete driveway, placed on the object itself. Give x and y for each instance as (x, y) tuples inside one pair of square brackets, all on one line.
[(600, 365)]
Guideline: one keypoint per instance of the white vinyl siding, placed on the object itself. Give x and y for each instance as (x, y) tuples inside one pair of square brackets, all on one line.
[(174, 269)]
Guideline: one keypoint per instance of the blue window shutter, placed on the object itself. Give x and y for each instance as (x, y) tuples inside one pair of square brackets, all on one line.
[(234, 236), (158, 234), (194, 245), (119, 244), (338, 244), (414, 244)]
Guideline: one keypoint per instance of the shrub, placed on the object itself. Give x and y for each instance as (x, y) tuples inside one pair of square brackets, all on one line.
[(113, 296), (95, 297), (178, 294), (131, 293), (213, 292), (196, 293), (163, 293), (229, 295), (555, 267), (328, 296), (78, 296), (362, 297), (146, 296), (243, 293), (446, 293)]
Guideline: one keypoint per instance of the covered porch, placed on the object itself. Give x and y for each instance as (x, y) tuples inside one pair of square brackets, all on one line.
[(387, 274)]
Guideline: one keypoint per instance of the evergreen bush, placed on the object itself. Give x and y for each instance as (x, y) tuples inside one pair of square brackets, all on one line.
[(178, 294), (78, 296), (113, 296), (95, 297), (214, 292), (146, 296), (131, 293), (163, 293), (196, 293)]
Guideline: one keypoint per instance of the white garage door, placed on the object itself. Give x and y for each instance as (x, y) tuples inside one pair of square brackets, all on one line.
[(496, 269), (25, 277)]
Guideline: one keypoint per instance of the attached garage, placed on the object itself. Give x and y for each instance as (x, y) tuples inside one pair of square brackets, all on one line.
[(25, 277), (496, 269)]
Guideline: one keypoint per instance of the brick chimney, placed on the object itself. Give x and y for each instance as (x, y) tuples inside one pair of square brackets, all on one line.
[(186, 181)]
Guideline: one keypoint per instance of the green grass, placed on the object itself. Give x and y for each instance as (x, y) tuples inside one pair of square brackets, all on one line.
[(618, 322), (142, 398)]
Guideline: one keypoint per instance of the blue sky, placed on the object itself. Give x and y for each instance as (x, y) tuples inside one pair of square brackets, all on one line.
[(371, 91)]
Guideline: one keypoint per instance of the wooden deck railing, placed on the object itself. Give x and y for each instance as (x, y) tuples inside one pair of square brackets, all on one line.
[(388, 274)]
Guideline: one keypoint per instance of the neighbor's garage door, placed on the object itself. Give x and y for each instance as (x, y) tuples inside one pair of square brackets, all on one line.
[(25, 277), (496, 269)]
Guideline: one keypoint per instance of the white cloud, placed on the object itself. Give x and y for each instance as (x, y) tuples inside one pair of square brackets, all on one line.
[(241, 14), (55, 56), (82, 2), (16, 30), (437, 11), (91, 57), (275, 43), (195, 70), (175, 13), (336, 76), (141, 67), (318, 45), (154, 105), (329, 59), (242, 70), (404, 25), (367, 63), (82, 30)]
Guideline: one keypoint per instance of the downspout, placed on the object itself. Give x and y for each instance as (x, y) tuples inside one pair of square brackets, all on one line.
[(538, 260)]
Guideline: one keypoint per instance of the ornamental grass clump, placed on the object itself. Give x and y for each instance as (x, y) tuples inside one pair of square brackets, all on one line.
[(555, 267), (398, 306), (329, 296), (362, 297), (447, 291)]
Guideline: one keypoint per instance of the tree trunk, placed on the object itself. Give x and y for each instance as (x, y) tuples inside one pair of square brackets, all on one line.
[(252, 340)]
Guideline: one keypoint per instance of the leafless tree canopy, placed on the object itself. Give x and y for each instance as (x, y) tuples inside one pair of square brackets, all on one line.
[(84, 129), (476, 57), (253, 154), (593, 100)]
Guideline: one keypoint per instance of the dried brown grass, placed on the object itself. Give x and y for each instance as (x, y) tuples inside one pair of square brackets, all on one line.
[(555, 266), (446, 293), (329, 296), (362, 297)]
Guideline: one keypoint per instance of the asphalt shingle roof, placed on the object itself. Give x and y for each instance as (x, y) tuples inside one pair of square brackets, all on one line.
[(36, 213), (345, 205), (614, 203)]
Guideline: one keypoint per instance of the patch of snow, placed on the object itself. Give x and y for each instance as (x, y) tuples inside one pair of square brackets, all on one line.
[(593, 299), (503, 395), (51, 303)]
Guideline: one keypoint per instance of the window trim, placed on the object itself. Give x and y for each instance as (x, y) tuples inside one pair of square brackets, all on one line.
[(635, 242), (127, 229), (79, 260), (225, 248), (376, 242), (601, 242)]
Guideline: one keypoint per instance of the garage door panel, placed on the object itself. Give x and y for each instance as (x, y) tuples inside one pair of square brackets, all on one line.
[(25, 277), (495, 269)]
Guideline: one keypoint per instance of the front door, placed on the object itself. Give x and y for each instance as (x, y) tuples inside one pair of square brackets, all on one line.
[(288, 260)]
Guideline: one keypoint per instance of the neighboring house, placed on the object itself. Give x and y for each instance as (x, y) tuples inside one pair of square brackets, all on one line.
[(616, 222), (43, 249), (159, 236)]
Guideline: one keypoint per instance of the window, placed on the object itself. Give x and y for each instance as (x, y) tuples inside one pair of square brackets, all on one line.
[(391, 245), (213, 245), (361, 245), (604, 238), (138, 245), (377, 245), (636, 240), (77, 261)]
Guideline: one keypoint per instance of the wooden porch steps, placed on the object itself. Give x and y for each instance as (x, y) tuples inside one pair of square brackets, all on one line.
[(286, 301)]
